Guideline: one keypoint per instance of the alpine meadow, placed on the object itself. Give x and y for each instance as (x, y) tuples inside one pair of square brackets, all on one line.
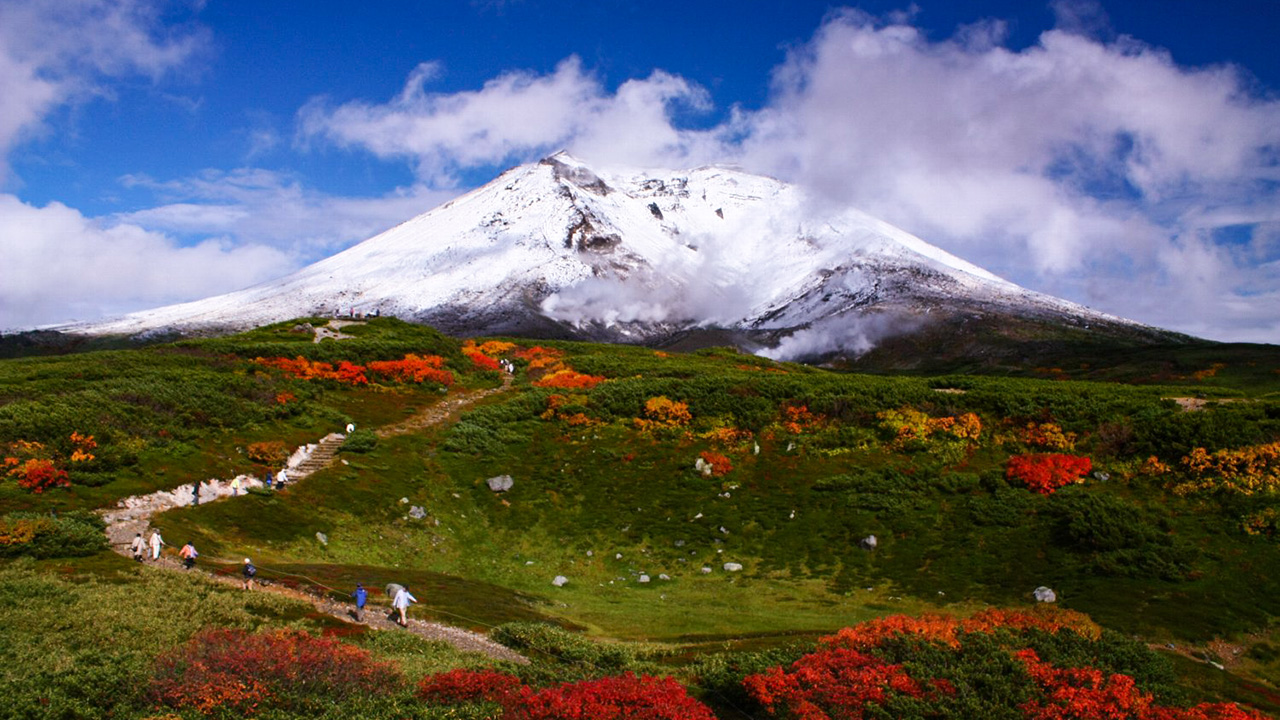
[(632, 532)]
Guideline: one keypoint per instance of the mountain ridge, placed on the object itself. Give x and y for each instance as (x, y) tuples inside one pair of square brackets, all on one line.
[(560, 249)]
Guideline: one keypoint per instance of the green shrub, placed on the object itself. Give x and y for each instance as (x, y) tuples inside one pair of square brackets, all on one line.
[(72, 534), (359, 441)]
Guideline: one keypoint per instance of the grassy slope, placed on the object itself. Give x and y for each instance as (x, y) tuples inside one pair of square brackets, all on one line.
[(952, 534)]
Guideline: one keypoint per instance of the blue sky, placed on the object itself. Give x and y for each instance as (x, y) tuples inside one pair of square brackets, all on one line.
[(1125, 155)]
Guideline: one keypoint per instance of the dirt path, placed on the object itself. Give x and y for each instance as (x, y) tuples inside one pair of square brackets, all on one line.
[(133, 515)]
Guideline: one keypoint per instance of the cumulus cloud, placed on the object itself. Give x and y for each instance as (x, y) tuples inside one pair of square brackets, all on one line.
[(53, 53), (62, 266), (1086, 165), (1101, 171), (513, 116)]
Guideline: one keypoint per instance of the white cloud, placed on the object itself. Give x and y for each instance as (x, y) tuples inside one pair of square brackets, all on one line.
[(61, 265), (513, 116), (53, 53), (256, 206), (1096, 169)]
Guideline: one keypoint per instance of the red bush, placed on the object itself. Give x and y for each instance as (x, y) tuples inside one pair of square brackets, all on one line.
[(225, 670), (1046, 472), (622, 697), (1087, 693), (38, 475), (832, 683), (720, 464), (458, 686)]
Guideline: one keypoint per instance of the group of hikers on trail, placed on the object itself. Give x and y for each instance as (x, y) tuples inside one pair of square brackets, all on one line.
[(140, 547)]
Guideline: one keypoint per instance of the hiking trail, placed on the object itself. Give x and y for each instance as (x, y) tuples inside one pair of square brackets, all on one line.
[(133, 515)]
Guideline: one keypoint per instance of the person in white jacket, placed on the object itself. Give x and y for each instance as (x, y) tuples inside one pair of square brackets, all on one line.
[(156, 543), (401, 603)]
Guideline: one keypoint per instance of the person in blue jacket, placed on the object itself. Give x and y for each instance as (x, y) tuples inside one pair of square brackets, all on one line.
[(362, 597)]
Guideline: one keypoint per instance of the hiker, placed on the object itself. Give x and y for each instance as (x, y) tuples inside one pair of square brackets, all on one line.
[(401, 603), (188, 554), (362, 597), (269, 479), (156, 543), (138, 546), (195, 493), (235, 486), (282, 478), (351, 427), (248, 571)]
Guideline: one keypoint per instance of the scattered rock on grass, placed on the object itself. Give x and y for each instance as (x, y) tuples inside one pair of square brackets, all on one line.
[(732, 566), (1044, 594), (869, 542), (560, 581), (417, 512), (500, 483), (324, 539)]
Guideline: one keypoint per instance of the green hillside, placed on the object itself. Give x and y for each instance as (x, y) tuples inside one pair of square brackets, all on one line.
[(1141, 487)]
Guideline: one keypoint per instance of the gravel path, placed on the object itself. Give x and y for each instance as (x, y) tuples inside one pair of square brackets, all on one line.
[(133, 515)]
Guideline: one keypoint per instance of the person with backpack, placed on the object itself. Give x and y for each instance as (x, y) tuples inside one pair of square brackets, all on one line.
[(249, 572), (139, 547), (188, 554), (362, 597), (401, 604)]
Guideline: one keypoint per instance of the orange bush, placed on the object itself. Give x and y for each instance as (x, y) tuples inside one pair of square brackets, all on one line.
[(269, 452), (663, 413), (569, 379), (492, 348), (482, 361), (414, 368)]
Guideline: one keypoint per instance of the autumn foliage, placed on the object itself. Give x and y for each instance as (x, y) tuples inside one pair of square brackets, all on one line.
[(719, 464), (908, 424), (852, 674), (662, 413), (1046, 472), (38, 468), (620, 697), (1086, 693), (409, 369), (413, 369), (229, 670), (569, 379), (1244, 471), (461, 685)]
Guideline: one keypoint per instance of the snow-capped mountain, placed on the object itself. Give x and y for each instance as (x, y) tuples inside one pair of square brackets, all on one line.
[(559, 248)]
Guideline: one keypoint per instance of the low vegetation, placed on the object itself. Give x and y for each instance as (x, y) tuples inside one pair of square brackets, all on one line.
[(736, 537)]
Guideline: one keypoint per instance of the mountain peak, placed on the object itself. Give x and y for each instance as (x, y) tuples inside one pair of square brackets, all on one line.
[(563, 249)]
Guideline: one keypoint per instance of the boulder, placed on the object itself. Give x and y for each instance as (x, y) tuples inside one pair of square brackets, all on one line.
[(324, 539), (664, 576), (732, 567), (500, 483), (1045, 595), (868, 543), (705, 570), (417, 512), (560, 581), (644, 578)]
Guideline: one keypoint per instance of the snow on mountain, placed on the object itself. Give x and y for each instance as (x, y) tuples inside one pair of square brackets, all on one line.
[(557, 247)]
